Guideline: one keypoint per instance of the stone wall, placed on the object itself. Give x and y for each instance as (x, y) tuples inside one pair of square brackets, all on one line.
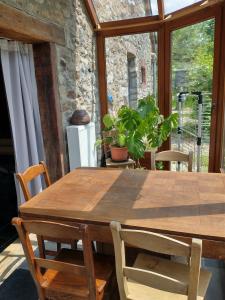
[(111, 10), (76, 61), (118, 52)]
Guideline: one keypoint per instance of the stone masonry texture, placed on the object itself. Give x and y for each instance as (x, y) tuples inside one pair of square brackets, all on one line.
[(76, 61)]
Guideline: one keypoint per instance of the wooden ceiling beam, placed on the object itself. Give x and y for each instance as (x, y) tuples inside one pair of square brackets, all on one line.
[(140, 28), (129, 26), (128, 22), (161, 10), (18, 25), (92, 13)]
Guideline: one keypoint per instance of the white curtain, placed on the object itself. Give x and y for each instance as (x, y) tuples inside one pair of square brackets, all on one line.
[(21, 91)]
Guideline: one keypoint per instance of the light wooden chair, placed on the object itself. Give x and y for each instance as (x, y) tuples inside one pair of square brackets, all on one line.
[(172, 156), (157, 278), (24, 179), (222, 170), (130, 163), (72, 274)]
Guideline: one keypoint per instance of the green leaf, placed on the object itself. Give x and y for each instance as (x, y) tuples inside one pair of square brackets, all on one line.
[(121, 140), (108, 121)]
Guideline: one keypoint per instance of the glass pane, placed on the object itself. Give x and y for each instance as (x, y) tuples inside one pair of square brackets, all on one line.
[(171, 5), (192, 74), (131, 66), (109, 10)]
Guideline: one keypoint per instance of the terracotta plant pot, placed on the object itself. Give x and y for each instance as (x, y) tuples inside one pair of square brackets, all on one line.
[(119, 154)]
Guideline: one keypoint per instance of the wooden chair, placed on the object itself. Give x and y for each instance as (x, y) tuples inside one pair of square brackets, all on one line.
[(157, 278), (222, 170), (130, 163), (72, 274), (31, 173), (24, 179), (172, 156)]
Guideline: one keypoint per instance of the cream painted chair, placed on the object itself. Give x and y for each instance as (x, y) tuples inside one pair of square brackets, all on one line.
[(156, 278), (172, 156)]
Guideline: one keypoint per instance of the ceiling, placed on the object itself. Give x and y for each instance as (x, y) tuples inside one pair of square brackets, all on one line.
[(114, 10)]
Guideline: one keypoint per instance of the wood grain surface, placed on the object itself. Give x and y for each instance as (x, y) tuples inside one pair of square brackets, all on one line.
[(174, 203)]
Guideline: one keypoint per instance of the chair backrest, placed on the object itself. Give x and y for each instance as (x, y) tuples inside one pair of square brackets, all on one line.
[(57, 231), (156, 243), (31, 173), (172, 156)]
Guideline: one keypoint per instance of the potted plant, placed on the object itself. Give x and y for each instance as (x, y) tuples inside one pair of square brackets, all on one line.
[(124, 135), (156, 128), (136, 131)]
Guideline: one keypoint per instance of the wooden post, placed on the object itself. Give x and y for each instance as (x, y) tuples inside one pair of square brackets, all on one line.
[(102, 83), (50, 112), (220, 149)]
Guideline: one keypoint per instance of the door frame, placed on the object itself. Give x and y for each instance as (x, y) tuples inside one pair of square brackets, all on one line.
[(217, 123), (20, 26)]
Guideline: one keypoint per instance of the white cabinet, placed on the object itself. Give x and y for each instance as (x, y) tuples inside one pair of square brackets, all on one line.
[(81, 145)]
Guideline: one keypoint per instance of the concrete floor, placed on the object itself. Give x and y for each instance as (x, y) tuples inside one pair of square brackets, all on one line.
[(12, 258)]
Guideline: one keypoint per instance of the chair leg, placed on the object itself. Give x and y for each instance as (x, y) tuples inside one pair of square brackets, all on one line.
[(93, 246), (74, 245), (58, 247), (41, 294), (41, 246)]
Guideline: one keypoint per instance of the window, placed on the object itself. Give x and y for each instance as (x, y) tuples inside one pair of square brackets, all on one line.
[(143, 75)]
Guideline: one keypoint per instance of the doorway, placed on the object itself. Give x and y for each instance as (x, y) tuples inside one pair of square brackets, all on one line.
[(8, 197), (192, 58), (132, 80)]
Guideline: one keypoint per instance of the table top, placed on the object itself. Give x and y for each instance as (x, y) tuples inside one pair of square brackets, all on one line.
[(189, 204)]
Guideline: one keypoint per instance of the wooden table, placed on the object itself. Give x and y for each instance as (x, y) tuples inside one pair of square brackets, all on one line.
[(183, 205)]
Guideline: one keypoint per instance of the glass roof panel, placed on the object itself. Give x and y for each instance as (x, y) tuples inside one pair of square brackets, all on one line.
[(112, 10), (172, 6)]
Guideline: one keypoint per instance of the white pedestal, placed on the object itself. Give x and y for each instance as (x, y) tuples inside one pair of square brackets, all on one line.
[(81, 146)]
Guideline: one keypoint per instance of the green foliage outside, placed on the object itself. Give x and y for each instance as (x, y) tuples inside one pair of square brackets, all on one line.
[(192, 51), (193, 54)]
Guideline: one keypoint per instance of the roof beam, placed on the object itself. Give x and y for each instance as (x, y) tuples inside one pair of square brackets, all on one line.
[(129, 26), (18, 25), (161, 9), (92, 13)]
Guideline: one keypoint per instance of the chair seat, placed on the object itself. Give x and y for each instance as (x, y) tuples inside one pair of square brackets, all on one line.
[(168, 268), (58, 283), (112, 164)]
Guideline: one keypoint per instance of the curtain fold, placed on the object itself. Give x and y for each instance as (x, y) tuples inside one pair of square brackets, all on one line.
[(21, 91)]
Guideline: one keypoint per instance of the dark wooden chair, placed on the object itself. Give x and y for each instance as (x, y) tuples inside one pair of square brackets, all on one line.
[(72, 274), (24, 179), (130, 163)]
